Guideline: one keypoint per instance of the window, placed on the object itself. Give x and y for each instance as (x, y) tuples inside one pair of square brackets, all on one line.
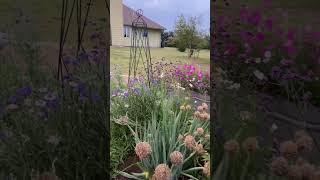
[(145, 33), (126, 31)]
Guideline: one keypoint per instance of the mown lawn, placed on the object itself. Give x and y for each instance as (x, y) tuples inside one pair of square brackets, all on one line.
[(120, 56)]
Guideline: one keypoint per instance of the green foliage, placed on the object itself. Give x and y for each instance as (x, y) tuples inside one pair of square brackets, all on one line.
[(162, 134), (186, 32)]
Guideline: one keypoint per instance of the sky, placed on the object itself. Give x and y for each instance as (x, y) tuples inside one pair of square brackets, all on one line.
[(165, 12)]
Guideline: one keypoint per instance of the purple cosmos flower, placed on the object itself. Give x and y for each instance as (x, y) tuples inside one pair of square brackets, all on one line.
[(24, 92), (260, 36)]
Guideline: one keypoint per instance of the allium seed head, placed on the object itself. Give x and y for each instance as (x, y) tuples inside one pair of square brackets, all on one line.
[(279, 166), (204, 106), (190, 142), (199, 149), (162, 172), (250, 144), (295, 172), (288, 149), (176, 158), (200, 131), (200, 108), (143, 149), (304, 143)]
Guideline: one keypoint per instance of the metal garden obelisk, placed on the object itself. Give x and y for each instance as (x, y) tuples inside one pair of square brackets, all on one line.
[(140, 49)]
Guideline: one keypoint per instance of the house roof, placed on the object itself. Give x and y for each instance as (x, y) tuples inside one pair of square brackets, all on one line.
[(129, 15)]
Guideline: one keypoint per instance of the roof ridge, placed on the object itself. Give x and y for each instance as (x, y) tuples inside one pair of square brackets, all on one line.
[(151, 24)]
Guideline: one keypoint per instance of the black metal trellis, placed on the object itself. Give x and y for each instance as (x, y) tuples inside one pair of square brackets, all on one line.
[(140, 49), (69, 8)]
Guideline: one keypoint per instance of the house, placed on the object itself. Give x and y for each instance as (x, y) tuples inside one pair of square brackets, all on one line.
[(121, 17)]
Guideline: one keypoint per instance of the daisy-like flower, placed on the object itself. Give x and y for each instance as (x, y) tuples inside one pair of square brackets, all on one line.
[(279, 166), (267, 54), (190, 142), (188, 107), (231, 146), (250, 144), (162, 172), (143, 149), (176, 158), (288, 149), (206, 169)]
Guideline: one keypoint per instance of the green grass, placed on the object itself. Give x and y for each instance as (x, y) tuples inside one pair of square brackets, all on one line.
[(120, 56)]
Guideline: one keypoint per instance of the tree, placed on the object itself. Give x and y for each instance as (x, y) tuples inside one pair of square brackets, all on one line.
[(186, 33), (168, 39)]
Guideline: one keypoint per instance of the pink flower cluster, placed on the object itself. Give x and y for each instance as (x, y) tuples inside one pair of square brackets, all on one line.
[(192, 77)]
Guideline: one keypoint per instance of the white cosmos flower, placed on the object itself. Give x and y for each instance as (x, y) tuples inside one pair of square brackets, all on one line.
[(259, 74), (162, 75), (267, 54)]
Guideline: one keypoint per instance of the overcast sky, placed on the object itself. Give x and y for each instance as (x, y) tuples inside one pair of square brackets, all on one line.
[(165, 12)]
